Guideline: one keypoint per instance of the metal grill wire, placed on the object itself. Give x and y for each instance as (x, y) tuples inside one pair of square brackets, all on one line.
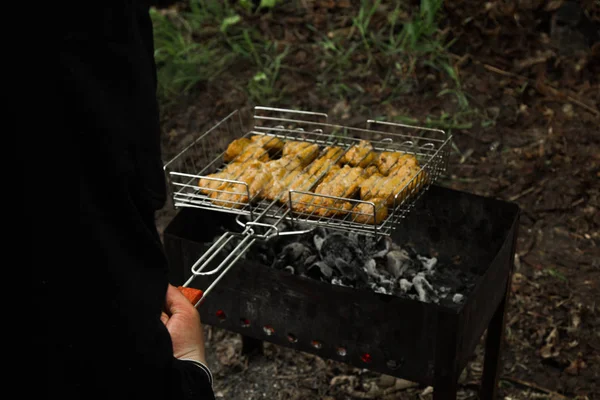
[(204, 156)]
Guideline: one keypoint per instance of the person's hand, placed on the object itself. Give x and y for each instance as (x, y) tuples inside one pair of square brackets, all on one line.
[(183, 323)]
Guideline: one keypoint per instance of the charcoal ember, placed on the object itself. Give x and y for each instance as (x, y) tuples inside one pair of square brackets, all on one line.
[(370, 268), (447, 276), (398, 261), (363, 262), (311, 260), (319, 238), (340, 246), (375, 247), (405, 285), (458, 298), (290, 269), (383, 286), (350, 274), (319, 270), (428, 263), (424, 289), (294, 254)]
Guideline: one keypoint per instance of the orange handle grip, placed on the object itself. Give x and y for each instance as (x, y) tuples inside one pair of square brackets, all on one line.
[(193, 295)]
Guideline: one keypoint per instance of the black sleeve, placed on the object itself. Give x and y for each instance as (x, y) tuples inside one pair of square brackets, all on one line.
[(117, 347)]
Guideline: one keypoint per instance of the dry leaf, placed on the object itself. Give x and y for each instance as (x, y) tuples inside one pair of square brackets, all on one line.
[(575, 367), (553, 5)]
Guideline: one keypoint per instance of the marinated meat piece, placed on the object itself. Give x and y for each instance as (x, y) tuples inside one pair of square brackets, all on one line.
[(360, 155), (370, 171), (314, 204), (365, 213), (370, 186), (252, 153), (320, 166), (285, 164), (231, 172), (306, 151), (279, 187), (207, 186), (378, 186), (333, 153), (257, 177), (236, 148), (343, 183), (271, 143), (388, 161)]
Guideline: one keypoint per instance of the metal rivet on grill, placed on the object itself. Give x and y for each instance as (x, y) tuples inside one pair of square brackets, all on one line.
[(221, 315), (316, 344), (291, 338), (341, 351), (366, 358), (268, 329), (245, 322)]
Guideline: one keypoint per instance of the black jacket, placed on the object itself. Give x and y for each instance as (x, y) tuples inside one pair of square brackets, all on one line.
[(115, 346)]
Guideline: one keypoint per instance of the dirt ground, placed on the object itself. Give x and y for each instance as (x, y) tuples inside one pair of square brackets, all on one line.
[(540, 86)]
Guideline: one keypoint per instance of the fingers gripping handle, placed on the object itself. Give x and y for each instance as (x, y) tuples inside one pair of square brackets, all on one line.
[(196, 296), (193, 295)]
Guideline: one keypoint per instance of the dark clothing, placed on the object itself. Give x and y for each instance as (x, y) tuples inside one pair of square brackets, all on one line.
[(117, 347)]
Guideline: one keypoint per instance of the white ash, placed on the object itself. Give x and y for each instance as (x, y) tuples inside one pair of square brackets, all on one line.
[(458, 298), (361, 262)]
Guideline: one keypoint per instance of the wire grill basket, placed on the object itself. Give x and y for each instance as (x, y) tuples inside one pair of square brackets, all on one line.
[(200, 176)]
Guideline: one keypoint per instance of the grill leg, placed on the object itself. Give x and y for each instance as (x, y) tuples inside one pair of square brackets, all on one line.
[(493, 350), (492, 366), (445, 381)]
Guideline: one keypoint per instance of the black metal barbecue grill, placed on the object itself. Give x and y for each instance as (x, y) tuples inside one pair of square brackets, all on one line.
[(425, 342)]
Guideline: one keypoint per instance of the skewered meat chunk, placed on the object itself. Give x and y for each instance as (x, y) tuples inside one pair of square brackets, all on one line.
[(370, 171), (231, 172), (342, 182), (333, 153), (285, 164), (236, 148), (387, 187), (361, 154), (365, 213), (279, 187), (271, 143), (207, 185), (257, 178), (388, 162), (306, 151), (314, 204), (320, 166), (252, 153)]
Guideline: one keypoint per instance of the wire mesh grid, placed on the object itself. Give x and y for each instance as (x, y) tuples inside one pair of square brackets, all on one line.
[(205, 174)]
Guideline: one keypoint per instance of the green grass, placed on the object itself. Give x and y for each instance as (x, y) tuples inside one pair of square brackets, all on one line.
[(201, 43)]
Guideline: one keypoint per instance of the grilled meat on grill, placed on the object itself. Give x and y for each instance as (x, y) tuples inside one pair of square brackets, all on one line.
[(389, 162), (343, 182), (252, 153), (256, 176), (368, 214), (333, 153), (360, 155), (236, 148), (306, 151), (386, 187), (271, 143), (334, 176)]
